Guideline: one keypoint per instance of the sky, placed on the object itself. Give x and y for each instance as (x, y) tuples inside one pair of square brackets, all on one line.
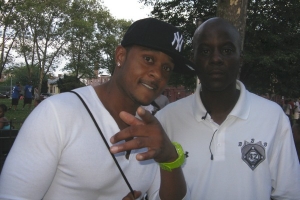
[(127, 9)]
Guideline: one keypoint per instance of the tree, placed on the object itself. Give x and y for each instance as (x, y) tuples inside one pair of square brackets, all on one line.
[(272, 52), (20, 75), (82, 45), (92, 38), (236, 13), (42, 25), (8, 33), (68, 83), (42, 32), (113, 31)]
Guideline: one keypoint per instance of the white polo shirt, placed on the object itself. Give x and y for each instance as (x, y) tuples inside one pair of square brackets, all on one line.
[(254, 156)]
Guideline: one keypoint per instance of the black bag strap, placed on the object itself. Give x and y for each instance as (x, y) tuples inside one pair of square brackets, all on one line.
[(103, 138)]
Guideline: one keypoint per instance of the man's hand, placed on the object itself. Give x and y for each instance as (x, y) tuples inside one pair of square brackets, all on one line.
[(129, 196), (144, 133)]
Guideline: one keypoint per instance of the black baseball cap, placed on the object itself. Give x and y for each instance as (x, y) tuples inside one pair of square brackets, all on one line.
[(159, 35)]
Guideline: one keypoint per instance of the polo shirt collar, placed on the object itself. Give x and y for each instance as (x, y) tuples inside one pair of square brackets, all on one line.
[(240, 110), (242, 107)]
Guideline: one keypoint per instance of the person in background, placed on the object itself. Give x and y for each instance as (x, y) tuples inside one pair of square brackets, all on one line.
[(60, 154), (15, 96), (28, 91), (4, 122), (296, 110)]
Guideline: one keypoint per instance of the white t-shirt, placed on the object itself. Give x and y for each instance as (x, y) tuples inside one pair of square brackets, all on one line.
[(254, 156), (59, 154)]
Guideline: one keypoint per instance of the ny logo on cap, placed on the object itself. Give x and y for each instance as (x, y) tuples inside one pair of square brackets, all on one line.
[(179, 40)]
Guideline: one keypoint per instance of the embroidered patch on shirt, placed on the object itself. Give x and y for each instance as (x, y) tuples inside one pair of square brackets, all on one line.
[(253, 154)]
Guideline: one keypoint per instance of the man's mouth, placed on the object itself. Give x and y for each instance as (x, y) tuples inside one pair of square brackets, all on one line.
[(216, 73), (148, 86)]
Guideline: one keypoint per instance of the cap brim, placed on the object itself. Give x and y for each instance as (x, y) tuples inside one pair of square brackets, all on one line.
[(184, 66)]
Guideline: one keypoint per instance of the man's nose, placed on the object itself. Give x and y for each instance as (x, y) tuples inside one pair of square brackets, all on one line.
[(216, 56), (156, 71)]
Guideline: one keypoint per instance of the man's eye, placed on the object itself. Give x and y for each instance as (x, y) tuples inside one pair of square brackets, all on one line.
[(205, 51), (167, 68), (227, 51), (148, 59)]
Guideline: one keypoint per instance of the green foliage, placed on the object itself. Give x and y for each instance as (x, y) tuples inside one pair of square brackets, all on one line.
[(92, 38), (82, 44), (271, 46), (69, 83), (82, 32), (41, 27), (8, 18), (113, 30)]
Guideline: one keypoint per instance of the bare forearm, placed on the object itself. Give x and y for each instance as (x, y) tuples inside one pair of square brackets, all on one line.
[(173, 185)]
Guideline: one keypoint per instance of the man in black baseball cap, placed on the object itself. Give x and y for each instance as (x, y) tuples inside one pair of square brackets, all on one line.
[(69, 149), (150, 50)]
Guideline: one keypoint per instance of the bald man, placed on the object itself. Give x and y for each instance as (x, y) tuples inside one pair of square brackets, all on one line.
[(234, 149)]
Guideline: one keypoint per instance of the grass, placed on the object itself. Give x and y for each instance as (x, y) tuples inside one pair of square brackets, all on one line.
[(18, 116)]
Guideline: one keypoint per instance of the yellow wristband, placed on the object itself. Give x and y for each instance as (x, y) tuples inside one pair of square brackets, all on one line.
[(178, 162)]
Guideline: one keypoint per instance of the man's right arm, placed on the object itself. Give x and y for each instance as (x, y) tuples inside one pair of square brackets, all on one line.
[(149, 133)]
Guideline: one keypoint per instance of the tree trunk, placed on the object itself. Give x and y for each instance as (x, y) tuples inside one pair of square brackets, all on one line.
[(234, 11)]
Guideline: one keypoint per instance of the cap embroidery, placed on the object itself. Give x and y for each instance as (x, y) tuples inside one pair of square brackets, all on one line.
[(179, 39)]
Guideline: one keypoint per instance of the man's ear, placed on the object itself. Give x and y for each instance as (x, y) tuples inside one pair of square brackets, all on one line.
[(120, 56)]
